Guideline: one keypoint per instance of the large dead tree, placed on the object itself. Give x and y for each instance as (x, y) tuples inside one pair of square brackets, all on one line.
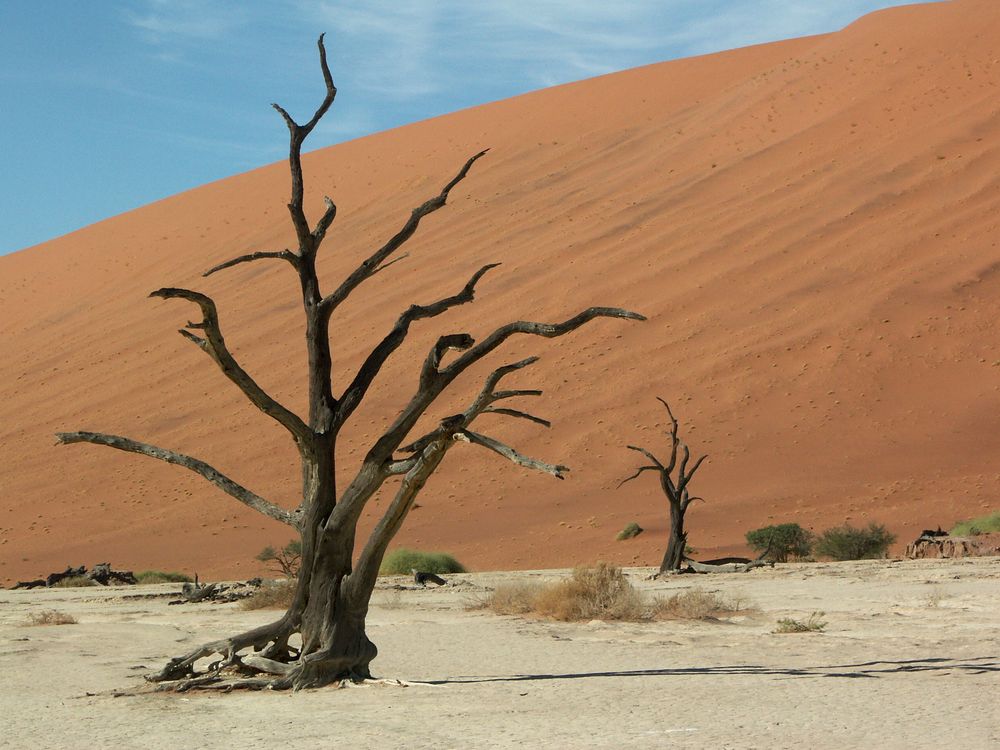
[(676, 489), (321, 638)]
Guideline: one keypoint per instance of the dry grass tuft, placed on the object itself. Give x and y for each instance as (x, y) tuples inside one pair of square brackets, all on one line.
[(273, 595), (598, 593), (601, 592), (516, 598), (697, 604), (51, 617), (74, 582), (813, 625)]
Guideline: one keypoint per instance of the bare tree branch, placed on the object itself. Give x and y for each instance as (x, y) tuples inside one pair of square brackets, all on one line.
[(638, 472), (648, 455), (215, 345), (548, 330), (374, 262), (558, 471), (500, 395), (325, 221), (278, 254), (518, 414), (355, 392), (214, 476), (297, 134)]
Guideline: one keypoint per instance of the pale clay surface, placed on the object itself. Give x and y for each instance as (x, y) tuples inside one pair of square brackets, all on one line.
[(910, 659)]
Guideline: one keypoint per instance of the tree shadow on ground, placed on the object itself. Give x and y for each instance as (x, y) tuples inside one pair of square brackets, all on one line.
[(869, 670)]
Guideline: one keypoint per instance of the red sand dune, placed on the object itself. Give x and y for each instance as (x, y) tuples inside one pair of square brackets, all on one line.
[(811, 227)]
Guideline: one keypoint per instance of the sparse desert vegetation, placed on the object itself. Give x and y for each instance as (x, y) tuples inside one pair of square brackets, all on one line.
[(270, 595), (849, 543), (983, 525), (603, 592), (812, 624), (286, 560), (783, 541), (401, 561), (74, 582), (631, 530), (51, 617)]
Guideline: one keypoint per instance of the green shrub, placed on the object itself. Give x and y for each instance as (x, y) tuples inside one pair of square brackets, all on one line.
[(161, 576), (848, 543), (631, 530), (401, 561), (786, 540), (981, 525)]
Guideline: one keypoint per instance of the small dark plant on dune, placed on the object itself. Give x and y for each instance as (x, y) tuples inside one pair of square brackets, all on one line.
[(848, 543), (631, 530)]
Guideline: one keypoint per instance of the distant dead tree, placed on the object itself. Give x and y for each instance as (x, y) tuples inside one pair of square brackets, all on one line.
[(675, 488), (333, 589)]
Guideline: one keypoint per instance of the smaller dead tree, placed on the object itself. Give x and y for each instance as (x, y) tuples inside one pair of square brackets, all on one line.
[(675, 488)]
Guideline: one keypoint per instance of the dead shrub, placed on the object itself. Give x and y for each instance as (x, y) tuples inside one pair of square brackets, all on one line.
[(51, 617), (601, 592), (272, 595), (696, 604), (516, 598)]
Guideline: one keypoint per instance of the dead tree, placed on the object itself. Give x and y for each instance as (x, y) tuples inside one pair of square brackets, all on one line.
[(333, 590), (676, 489)]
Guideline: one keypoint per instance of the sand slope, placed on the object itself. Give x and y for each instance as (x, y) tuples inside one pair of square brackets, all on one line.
[(810, 226)]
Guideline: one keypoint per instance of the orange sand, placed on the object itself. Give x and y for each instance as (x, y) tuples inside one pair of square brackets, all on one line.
[(811, 227)]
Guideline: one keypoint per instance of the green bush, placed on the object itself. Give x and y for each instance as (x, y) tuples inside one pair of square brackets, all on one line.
[(848, 543), (786, 540), (981, 525), (401, 561), (631, 530), (161, 576)]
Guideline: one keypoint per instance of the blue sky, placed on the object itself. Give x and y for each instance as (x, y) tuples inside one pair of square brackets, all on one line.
[(107, 105)]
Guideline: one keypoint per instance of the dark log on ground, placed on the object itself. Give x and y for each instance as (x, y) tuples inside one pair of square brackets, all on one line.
[(422, 578), (104, 575), (36, 584)]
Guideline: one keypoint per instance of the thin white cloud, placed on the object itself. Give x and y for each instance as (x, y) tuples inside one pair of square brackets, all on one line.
[(167, 21)]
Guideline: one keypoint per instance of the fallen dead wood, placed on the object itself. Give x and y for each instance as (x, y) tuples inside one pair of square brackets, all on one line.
[(219, 593), (101, 574)]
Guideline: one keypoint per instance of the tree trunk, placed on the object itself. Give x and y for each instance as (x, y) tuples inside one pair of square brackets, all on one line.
[(674, 556)]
